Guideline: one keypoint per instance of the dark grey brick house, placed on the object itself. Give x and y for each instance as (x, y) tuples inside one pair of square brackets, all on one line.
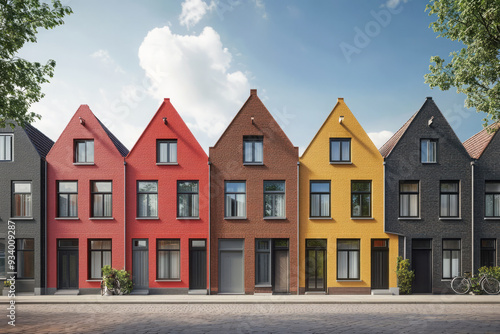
[(428, 198), (484, 148), (22, 193)]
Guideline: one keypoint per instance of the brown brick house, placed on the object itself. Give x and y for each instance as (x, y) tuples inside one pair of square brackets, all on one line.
[(253, 192)]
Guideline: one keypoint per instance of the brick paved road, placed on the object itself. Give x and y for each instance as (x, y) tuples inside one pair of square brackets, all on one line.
[(275, 318)]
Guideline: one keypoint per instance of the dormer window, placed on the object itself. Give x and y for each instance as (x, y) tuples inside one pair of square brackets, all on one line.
[(166, 151), (84, 151), (253, 150)]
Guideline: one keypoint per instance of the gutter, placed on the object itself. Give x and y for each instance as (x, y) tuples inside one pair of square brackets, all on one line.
[(298, 227)]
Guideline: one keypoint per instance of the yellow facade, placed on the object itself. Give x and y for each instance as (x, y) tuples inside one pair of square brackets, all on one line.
[(366, 163)]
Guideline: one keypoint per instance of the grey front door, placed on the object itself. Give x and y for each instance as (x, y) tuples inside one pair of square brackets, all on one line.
[(140, 266), (231, 266), (67, 266), (281, 276)]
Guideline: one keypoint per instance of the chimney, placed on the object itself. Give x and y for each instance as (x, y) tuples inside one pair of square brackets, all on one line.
[(253, 92)]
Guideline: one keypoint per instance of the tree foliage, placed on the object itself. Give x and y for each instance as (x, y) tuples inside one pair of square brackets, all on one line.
[(21, 80), (475, 69)]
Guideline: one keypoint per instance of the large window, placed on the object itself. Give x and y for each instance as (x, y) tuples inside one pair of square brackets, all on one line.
[(408, 199), (5, 147), (99, 256), (492, 193), (168, 259), (488, 252), (428, 151), (21, 199), (236, 198), (102, 197), (451, 258), (187, 199), (166, 151), (25, 258), (84, 151), (348, 259), (147, 198), (274, 199), (271, 263), (67, 199), (361, 193), (449, 199), (320, 199), (253, 149), (340, 149), (2, 258), (263, 262)]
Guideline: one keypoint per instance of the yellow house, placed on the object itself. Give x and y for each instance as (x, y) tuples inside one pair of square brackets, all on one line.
[(344, 249)]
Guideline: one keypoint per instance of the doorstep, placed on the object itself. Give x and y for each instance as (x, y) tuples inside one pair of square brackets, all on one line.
[(142, 292), (67, 292), (198, 292)]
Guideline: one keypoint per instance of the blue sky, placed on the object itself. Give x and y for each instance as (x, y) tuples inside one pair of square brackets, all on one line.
[(123, 57)]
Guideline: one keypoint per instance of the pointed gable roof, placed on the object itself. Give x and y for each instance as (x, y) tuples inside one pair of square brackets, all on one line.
[(41, 142), (478, 143), (386, 149)]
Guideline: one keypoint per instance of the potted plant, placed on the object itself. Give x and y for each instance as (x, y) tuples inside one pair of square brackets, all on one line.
[(6, 288), (116, 282)]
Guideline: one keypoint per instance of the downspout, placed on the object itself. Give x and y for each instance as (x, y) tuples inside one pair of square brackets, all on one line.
[(45, 230), (124, 214), (473, 163), (209, 248), (298, 227)]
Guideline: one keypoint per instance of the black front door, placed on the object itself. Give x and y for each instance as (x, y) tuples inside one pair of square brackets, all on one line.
[(197, 264), (421, 263), (67, 264), (380, 264), (316, 265)]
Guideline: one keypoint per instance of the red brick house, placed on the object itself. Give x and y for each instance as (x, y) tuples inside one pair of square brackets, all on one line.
[(85, 208), (253, 192), (167, 208)]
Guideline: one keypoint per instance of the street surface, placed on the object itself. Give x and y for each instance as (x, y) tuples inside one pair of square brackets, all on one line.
[(258, 318)]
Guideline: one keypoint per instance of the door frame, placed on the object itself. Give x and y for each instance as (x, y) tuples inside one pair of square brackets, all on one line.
[(140, 248), (191, 247), (429, 250), (325, 268), (274, 250), (77, 249), (384, 249)]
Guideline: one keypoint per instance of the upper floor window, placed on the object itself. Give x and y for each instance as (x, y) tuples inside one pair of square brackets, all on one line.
[(428, 150), (147, 198), (67, 199), (102, 198), (253, 149), (187, 199), (320, 199), (408, 199), (21, 199), (274, 199), (340, 149), (492, 193), (449, 199), (84, 151), (361, 193), (5, 147), (236, 199), (166, 151)]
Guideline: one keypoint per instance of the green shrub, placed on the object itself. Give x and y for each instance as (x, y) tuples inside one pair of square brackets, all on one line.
[(6, 283), (405, 276), (118, 281)]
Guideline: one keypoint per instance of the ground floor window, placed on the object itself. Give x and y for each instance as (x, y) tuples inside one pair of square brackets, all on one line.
[(2, 258), (168, 259), (99, 256), (348, 259), (488, 252), (25, 258), (451, 257)]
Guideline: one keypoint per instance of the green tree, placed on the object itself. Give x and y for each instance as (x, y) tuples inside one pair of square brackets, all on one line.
[(21, 80), (475, 69)]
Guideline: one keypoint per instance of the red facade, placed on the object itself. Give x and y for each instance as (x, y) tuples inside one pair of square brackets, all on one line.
[(85, 208), (167, 207)]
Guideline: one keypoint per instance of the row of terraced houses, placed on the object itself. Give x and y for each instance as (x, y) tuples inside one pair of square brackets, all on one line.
[(251, 217)]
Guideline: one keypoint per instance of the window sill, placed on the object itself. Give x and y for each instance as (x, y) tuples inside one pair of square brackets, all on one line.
[(83, 163), (94, 280), (235, 218), (274, 218), (168, 280), (167, 164), (67, 218), (188, 218), (147, 218), (491, 218), (362, 218), (446, 279), (102, 218), (21, 218), (263, 286), (348, 280), (409, 218), (429, 163), (320, 218), (450, 218), (340, 162), (253, 164)]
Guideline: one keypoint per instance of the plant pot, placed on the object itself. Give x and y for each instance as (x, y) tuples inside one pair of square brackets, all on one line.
[(108, 292)]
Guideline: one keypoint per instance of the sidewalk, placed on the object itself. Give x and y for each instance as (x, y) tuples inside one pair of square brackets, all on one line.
[(250, 299)]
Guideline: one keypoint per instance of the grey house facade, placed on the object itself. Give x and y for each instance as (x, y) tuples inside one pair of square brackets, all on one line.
[(22, 188), (484, 148), (428, 198)]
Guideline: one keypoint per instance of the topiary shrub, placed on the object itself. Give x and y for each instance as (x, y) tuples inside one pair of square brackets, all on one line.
[(405, 276)]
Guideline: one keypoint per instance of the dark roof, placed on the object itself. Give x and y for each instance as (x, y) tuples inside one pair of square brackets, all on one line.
[(476, 144), (387, 148), (41, 142), (119, 146)]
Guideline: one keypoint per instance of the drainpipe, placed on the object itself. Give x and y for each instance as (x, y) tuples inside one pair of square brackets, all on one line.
[(209, 248), (45, 229), (384, 221), (298, 227), (124, 214), (473, 163)]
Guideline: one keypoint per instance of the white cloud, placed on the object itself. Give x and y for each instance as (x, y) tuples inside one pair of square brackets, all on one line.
[(104, 57), (380, 138), (193, 11), (194, 71), (262, 7), (394, 3)]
